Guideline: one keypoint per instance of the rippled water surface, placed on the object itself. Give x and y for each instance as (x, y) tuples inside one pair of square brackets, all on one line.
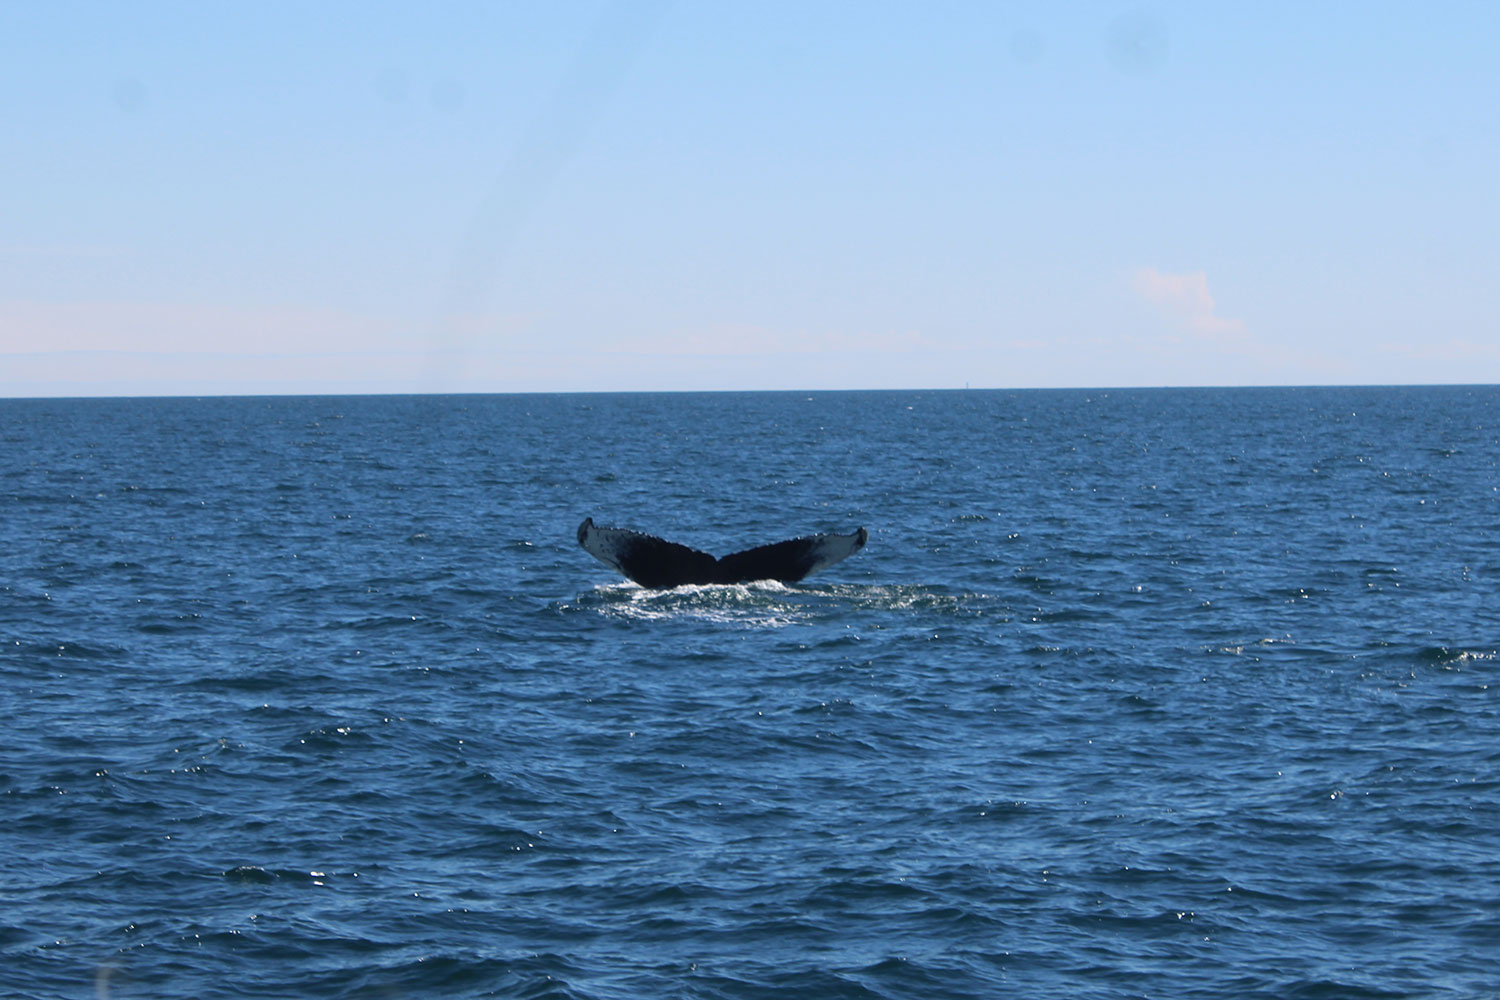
[(1171, 693)]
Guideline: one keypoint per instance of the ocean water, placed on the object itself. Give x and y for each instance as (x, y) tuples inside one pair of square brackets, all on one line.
[(1149, 693)]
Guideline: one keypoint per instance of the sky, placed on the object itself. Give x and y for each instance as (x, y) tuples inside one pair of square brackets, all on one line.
[(512, 197)]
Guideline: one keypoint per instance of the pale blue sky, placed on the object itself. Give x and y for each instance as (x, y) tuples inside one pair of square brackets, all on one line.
[(346, 197)]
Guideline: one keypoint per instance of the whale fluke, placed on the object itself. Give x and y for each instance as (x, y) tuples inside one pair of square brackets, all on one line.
[(656, 562)]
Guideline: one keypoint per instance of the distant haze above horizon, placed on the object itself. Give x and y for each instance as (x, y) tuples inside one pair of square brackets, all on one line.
[(264, 199)]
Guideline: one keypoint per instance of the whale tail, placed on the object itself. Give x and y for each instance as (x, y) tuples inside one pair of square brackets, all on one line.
[(656, 562)]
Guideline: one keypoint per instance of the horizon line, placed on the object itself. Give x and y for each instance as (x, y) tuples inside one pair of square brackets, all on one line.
[(357, 394)]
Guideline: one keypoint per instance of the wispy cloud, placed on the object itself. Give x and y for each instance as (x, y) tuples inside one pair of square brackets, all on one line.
[(1184, 299)]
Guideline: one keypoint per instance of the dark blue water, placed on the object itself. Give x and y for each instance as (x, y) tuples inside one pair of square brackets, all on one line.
[(1174, 693)]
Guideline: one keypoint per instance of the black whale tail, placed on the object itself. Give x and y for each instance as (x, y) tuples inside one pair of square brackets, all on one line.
[(655, 562)]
